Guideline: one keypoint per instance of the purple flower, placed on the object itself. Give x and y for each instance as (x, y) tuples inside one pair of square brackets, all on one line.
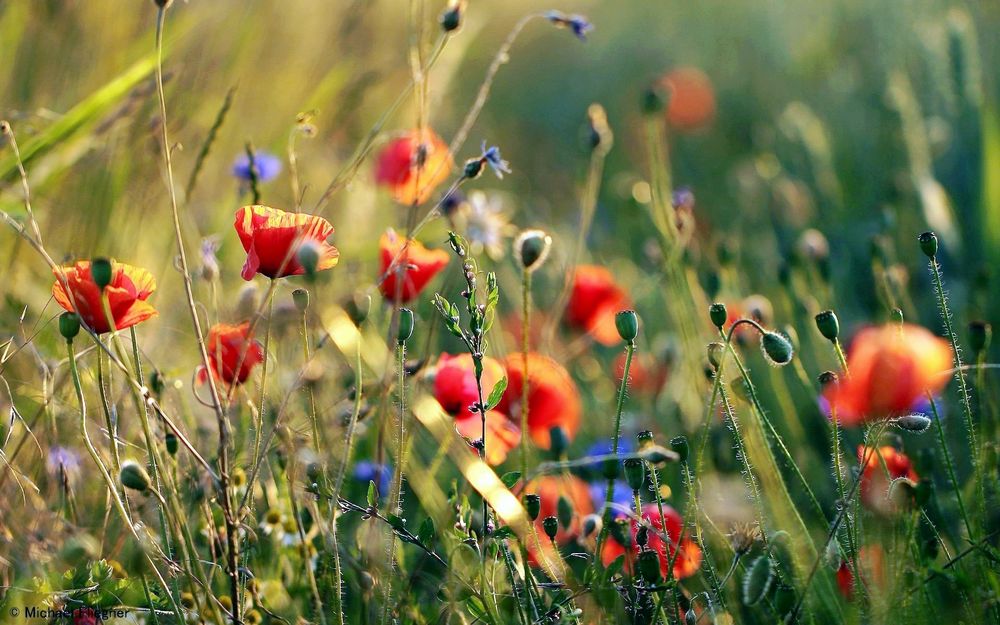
[(683, 197), (266, 165), (578, 24), (491, 156), (62, 461), (452, 202), (366, 471)]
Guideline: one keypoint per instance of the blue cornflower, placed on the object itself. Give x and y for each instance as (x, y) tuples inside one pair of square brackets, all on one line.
[(266, 165), (366, 471), (578, 24), (452, 202), (621, 496), (491, 156)]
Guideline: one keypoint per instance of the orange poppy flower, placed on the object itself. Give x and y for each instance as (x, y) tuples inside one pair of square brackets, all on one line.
[(416, 265), (127, 293), (502, 434), (553, 398), (230, 346), (870, 561), (272, 238), (688, 558), (874, 481), (594, 301), (891, 367), (646, 375), (455, 383), (691, 103), (410, 176)]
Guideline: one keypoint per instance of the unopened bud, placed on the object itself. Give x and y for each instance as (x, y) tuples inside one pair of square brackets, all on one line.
[(134, 476), (680, 445), (533, 506), (627, 323), (550, 525), (531, 248), (649, 566), (828, 325), (301, 299), (980, 334), (776, 348), (928, 243), (718, 314), (716, 351), (635, 473), (916, 423), (308, 256), (69, 325), (451, 19), (405, 329)]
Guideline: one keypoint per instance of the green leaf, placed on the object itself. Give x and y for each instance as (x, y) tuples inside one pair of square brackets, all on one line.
[(509, 479), (496, 395), (426, 532), (372, 494), (502, 532)]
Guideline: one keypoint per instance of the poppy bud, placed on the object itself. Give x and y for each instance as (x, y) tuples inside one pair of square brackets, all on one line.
[(451, 19), (101, 272), (680, 445), (163, 4), (718, 314), (473, 167), (777, 348), (649, 566), (980, 334), (592, 524), (916, 423), (644, 438), (564, 509), (405, 329), (300, 297), (69, 325), (716, 351), (170, 441), (896, 316), (308, 256), (828, 325), (532, 248), (642, 536), (635, 473), (533, 506), (627, 323), (559, 441), (134, 476), (550, 525), (826, 378), (928, 243)]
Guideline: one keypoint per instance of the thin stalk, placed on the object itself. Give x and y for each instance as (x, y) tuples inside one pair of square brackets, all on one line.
[(949, 465), (525, 346), (609, 494), (395, 498)]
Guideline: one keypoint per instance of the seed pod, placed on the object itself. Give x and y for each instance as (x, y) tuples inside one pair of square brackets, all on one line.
[(680, 445), (550, 525), (642, 536), (301, 299), (170, 441), (101, 271), (134, 476), (635, 473), (69, 325), (718, 314), (405, 329), (928, 243), (627, 323), (644, 438), (649, 566), (828, 325), (532, 505)]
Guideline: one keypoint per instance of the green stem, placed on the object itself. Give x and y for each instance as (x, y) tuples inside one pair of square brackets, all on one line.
[(949, 465)]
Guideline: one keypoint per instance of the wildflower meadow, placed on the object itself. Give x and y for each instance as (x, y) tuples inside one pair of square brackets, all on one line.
[(464, 312)]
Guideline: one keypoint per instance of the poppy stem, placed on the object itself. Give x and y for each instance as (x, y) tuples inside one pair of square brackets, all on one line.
[(259, 429), (525, 347), (949, 464)]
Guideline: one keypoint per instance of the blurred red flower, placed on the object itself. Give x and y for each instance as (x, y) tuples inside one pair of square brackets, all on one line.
[(553, 398), (870, 561), (417, 266), (874, 481), (549, 488), (691, 104), (594, 301), (455, 382), (646, 375), (273, 237), (412, 165), (688, 558), (229, 347), (891, 367), (127, 293), (502, 434)]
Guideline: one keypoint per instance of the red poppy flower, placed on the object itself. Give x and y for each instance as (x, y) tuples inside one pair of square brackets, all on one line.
[(874, 481), (870, 561), (646, 375), (230, 346), (272, 238), (691, 99), (502, 434), (415, 264), (549, 488), (553, 398), (891, 368), (688, 558), (412, 165), (455, 383), (127, 293), (594, 301)]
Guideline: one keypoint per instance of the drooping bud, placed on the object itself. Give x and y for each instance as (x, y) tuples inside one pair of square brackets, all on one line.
[(550, 525), (69, 325), (564, 510), (718, 314), (134, 476), (101, 271), (627, 323), (533, 506), (405, 329), (531, 248), (680, 445), (928, 243), (300, 297), (776, 348), (635, 473), (828, 325), (916, 423)]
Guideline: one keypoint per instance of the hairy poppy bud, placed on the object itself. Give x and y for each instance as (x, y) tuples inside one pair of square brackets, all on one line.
[(170, 441), (635, 473), (777, 348), (550, 525), (716, 351), (69, 325), (928, 243), (828, 325), (680, 445), (592, 524), (134, 476), (533, 506), (564, 510), (300, 297), (405, 329), (916, 423), (718, 314), (649, 566), (531, 248), (627, 323), (980, 334), (101, 272)]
